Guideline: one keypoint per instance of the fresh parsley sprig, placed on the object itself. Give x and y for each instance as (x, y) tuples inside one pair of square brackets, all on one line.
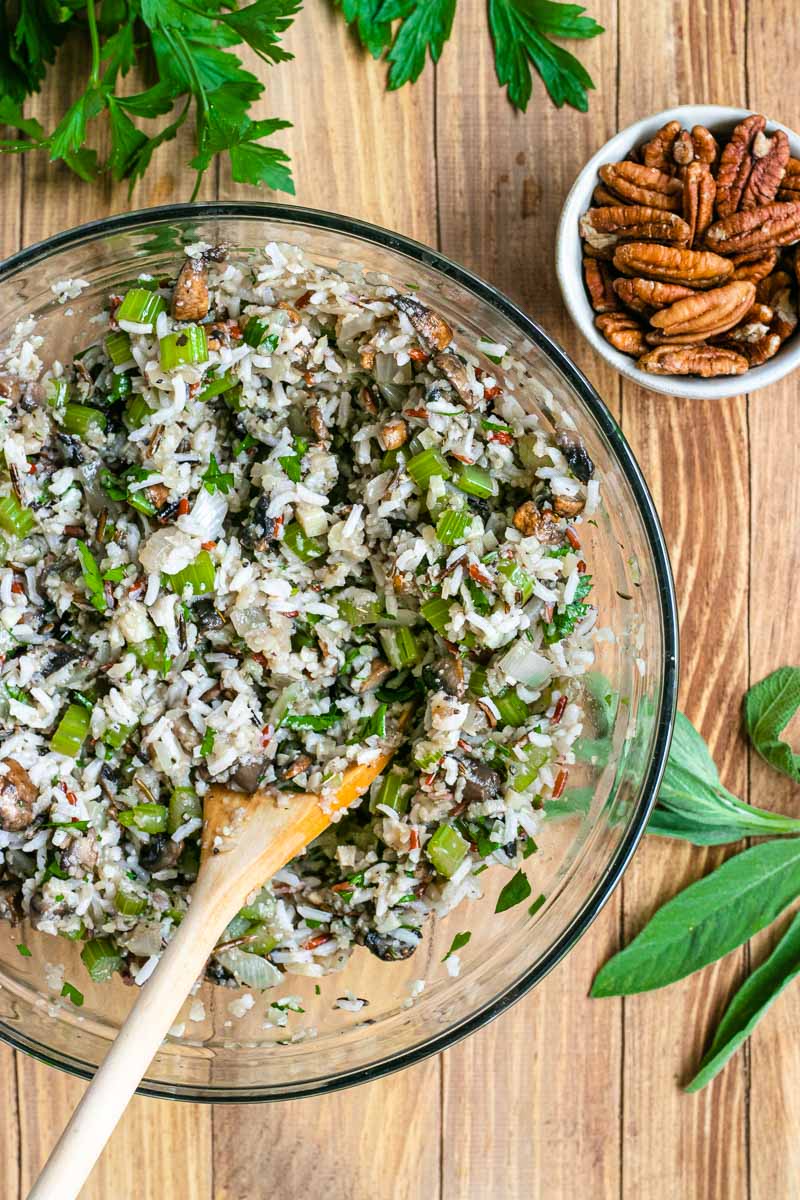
[(189, 44), (405, 32)]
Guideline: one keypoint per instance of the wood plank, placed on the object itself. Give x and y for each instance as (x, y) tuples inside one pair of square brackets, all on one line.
[(531, 1127), (10, 235), (140, 1159), (695, 457), (774, 638), (358, 150), (379, 1141), (160, 1149)]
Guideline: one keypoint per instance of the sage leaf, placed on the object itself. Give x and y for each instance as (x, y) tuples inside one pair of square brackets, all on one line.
[(706, 920), (759, 991), (693, 805), (515, 891), (768, 708)]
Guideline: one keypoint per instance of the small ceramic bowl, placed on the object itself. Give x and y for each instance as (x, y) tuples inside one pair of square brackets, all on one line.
[(720, 120)]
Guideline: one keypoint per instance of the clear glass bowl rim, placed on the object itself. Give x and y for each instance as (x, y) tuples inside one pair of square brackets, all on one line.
[(294, 214)]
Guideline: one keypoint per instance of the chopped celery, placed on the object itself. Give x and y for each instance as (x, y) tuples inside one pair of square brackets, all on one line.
[(118, 348), (57, 392), (117, 735), (121, 386), (452, 526), (477, 682), (393, 458), (437, 613), (260, 908), (128, 902), (446, 850), (141, 307), (152, 654), (184, 805), (79, 419), (71, 732), (185, 346), (256, 333), (535, 758), (360, 614), (526, 449), (511, 709), (475, 481), (306, 548), (423, 466), (200, 575), (148, 818), (259, 940), (400, 647), (215, 387), (137, 410), (392, 793), (14, 518), (101, 959), (518, 578)]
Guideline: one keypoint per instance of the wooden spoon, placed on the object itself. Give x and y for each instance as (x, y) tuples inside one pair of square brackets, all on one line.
[(246, 839)]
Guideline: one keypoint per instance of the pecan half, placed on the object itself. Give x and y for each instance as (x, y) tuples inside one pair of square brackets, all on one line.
[(784, 321), (668, 264), (541, 524), (589, 251), (755, 341), (683, 149), (601, 197), (790, 184), (658, 151), (638, 184), (706, 361), (705, 145), (623, 332), (754, 269), (770, 156), (736, 163), (708, 313), (767, 289), (598, 279), (647, 295), (756, 229), (604, 227), (190, 296), (699, 190)]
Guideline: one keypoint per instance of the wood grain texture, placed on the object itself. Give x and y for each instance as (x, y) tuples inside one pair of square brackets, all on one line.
[(695, 457), (561, 1097), (774, 1053)]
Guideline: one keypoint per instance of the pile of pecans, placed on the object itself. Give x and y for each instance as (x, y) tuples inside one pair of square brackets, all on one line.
[(685, 252)]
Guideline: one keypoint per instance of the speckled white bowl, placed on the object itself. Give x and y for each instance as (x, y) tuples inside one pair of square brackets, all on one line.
[(720, 120)]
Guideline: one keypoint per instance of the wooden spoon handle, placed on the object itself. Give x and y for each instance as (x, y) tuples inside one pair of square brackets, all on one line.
[(120, 1073)]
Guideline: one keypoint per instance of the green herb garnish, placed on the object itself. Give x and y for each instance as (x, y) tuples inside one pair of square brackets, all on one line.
[(214, 478), (457, 943), (92, 577)]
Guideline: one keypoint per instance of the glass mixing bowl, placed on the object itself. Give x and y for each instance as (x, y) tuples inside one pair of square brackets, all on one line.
[(415, 1007)]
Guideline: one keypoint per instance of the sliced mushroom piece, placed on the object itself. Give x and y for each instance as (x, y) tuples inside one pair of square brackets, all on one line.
[(247, 776), (10, 388), (378, 671), (206, 617), (482, 784), (573, 449), (260, 529), (160, 853), (190, 297), (17, 797), (432, 328), (455, 372), (79, 856), (10, 903), (387, 948), (70, 449), (446, 675)]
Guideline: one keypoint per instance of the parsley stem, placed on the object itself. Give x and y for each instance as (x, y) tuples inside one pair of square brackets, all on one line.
[(91, 17)]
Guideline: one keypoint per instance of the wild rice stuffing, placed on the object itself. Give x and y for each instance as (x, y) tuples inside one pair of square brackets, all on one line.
[(268, 509)]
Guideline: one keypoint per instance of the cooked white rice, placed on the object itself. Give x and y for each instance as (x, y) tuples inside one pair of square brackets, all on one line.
[(330, 465)]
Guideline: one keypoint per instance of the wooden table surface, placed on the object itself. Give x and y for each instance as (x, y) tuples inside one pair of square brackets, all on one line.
[(562, 1098)]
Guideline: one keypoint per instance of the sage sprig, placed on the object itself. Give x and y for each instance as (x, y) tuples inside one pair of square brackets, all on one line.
[(744, 895)]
